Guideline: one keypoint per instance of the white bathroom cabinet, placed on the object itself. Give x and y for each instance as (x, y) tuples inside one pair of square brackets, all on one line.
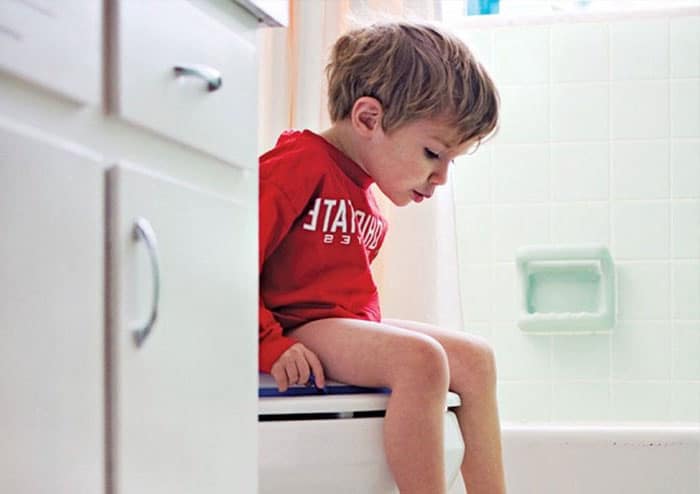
[(51, 315), (86, 150)]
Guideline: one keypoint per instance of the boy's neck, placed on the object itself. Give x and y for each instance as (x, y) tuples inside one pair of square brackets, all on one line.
[(341, 136)]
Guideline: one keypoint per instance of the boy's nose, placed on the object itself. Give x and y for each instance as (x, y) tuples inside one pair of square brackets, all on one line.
[(439, 176)]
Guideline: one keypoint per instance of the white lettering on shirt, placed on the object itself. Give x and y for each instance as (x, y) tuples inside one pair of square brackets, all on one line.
[(329, 204), (340, 218), (313, 212)]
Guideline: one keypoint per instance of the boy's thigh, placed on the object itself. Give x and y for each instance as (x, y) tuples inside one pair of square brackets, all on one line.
[(363, 353), (450, 339)]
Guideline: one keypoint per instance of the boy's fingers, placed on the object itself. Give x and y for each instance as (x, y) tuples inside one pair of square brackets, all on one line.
[(280, 377), (316, 368), (304, 371), (292, 372)]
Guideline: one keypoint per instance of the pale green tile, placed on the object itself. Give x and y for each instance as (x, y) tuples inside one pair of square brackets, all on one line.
[(520, 355), (641, 401), (581, 401), (641, 351), (686, 350), (685, 402), (686, 290), (578, 357), (524, 401)]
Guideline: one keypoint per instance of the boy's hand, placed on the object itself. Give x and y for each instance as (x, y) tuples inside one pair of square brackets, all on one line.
[(295, 367)]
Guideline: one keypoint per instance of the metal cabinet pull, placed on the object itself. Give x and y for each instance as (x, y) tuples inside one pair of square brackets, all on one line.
[(211, 76), (144, 231)]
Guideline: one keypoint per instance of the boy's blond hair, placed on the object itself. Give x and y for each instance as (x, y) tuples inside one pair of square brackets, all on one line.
[(415, 71)]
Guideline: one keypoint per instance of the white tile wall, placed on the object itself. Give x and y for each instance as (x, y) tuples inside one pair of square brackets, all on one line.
[(686, 229), (580, 112), (640, 169), (686, 289), (639, 49), (686, 348), (581, 357), (525, 401), (580, 171), (580, 401), (685, 401), (685, 168), (641, 230), (533, 360), (599, 142), (643, 291), (685, 108), (639, 110), (514, 226), (521, 173), (685, 47), (525, 112), (572, 43), (521, 55), (641, 401), (581, 222), (641, 351)]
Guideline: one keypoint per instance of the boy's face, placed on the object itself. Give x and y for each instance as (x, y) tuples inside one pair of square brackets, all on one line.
[(411, 161)]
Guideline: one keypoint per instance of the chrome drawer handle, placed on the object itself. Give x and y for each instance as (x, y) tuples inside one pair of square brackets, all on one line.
[(211, 76), (143, 230)]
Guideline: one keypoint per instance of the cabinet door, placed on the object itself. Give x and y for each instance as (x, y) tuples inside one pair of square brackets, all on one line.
[(51, 316), (182, 403)]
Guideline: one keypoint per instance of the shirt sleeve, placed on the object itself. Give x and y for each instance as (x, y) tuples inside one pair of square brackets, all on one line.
[(277, 214)]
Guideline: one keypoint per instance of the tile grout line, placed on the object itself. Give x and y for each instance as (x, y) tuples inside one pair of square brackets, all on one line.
[(671, 243), (611, 230)]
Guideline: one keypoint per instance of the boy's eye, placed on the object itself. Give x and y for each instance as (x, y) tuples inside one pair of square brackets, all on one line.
[(431, 155)]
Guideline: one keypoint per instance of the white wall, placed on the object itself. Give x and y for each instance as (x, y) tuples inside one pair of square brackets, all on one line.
[(600, 142)]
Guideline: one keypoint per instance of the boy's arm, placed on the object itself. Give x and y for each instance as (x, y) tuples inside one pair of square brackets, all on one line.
[(271, 342), (277, 213)]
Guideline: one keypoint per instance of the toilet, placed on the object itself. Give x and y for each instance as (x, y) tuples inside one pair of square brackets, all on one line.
[(314, 442)]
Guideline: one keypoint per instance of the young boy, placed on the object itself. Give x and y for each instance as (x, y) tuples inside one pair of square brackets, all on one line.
[(404, 99)]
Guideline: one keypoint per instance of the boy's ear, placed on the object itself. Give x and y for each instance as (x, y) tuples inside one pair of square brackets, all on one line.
[(366, 115)]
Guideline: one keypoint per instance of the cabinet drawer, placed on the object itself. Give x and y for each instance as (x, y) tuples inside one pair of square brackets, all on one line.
[(153, 39), (57, 45)]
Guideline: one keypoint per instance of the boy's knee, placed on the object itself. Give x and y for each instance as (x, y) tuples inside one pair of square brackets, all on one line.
[(424, 363), (487, 362), (477, 366)]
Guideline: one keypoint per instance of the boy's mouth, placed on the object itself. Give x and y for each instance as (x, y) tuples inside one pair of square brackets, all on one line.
[(418, 197)]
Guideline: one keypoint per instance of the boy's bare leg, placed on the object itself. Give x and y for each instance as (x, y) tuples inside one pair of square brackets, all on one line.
[(415, 367), (473, 377)]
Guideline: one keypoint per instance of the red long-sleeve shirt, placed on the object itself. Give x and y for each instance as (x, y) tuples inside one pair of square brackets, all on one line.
[(320, 228)]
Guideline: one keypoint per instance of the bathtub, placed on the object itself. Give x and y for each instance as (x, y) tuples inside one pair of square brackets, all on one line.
[(602, 459)]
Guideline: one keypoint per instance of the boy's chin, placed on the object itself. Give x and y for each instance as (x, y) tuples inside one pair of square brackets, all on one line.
[(397, 198), (401, 201)]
